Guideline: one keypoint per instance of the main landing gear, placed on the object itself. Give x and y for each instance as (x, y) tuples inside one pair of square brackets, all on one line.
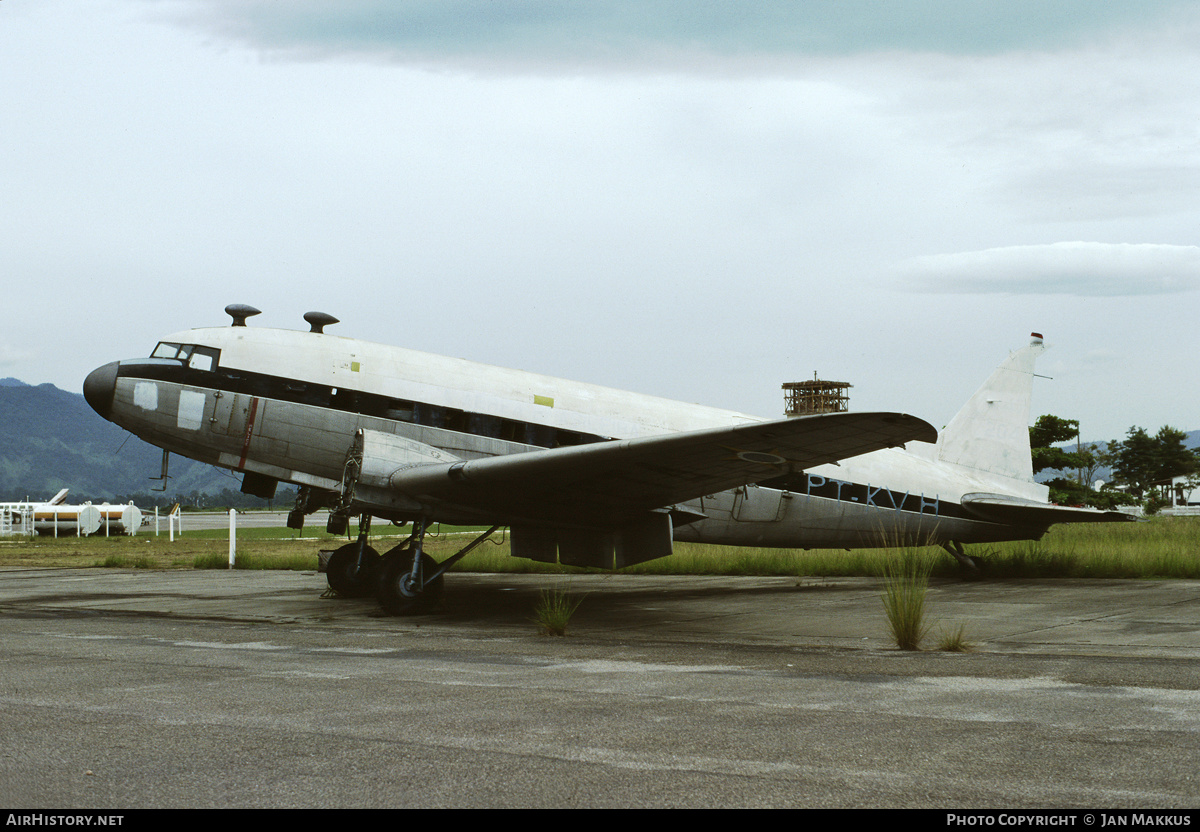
[(409, 582), (405, 580), (352, 569)]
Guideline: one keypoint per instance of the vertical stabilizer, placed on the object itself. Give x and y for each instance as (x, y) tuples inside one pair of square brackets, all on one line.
[(991, 432)]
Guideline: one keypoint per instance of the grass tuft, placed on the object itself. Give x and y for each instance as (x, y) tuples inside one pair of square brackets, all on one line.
[(905, 583), (127, 562), (955, 641), (553, 611)]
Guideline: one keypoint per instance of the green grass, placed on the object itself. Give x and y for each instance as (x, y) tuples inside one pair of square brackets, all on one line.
[(1163, 547), (299, 561), (128, 562)]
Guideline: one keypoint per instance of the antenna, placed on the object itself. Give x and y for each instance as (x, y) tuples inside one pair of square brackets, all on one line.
[(240, 312), (319, 320)]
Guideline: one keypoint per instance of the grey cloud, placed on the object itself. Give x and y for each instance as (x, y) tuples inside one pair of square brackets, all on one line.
[(665, 31), (1069, 268)]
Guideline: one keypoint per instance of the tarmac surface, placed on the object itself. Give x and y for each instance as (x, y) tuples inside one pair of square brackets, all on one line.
[(147, 688)]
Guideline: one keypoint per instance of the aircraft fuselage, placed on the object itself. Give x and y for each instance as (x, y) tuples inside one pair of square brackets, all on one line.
[(282, 405)]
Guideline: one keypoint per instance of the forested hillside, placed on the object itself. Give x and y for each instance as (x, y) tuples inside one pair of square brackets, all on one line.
[(51, 439)]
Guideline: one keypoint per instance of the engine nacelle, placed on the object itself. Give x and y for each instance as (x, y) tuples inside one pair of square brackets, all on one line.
[(376, 462)]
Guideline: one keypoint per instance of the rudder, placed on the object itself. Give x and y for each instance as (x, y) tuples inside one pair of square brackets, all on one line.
[(991, 432)]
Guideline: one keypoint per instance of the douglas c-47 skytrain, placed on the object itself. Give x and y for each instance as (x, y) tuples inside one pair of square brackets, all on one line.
[(581, 474)]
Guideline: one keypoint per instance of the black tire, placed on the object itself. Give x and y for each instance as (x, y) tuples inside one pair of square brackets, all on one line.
[(976, 573), (393, 588), (349, 576)]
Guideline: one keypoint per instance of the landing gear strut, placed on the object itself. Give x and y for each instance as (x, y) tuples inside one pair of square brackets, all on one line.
[(405, 589), (308, 500), (959, 554), (410, 581)]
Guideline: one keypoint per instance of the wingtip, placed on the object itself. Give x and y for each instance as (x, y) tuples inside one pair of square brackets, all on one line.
[(922, 430)]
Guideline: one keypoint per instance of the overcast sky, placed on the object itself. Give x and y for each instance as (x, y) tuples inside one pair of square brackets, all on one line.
[(699, 200)]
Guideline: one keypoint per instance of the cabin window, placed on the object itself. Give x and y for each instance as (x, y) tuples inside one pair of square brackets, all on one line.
[(430, 415), (540, 435), (399, 411), (343, 399), (482, 425)]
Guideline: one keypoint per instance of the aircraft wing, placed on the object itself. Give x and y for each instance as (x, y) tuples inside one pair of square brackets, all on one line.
[(615, 482), (1015, 511)]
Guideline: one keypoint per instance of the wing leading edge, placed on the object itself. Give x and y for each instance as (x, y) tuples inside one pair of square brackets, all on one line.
[(610, 484)]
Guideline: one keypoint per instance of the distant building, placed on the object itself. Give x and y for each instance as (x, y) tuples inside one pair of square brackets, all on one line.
[(1182, 491), (806, 398)]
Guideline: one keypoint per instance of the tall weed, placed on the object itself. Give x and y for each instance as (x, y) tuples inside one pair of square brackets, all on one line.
[(905, 584)]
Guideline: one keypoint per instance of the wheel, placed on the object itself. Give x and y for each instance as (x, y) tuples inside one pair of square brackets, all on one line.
[(395, 589), (349, 576)]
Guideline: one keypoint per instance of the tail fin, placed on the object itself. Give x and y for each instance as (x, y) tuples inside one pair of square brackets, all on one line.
[(991, 432)]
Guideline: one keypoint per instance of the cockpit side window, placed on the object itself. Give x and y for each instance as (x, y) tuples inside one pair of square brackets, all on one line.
[(192, 355), (203, 358)]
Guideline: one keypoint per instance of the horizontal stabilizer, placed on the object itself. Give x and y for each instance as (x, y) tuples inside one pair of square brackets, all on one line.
[(997, 508)]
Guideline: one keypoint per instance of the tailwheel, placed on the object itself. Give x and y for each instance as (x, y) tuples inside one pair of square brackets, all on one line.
[(352, 569), (970, 566), (399, 591)]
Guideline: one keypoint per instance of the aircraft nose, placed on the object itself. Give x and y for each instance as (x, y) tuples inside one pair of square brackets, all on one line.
[(99, 386)]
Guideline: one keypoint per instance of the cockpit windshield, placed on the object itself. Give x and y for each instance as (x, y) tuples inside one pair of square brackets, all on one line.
[(191, 355)]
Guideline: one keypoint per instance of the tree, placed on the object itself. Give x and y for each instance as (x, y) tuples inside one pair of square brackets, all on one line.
[(1046, 431), (1136, 467), (1092, 462), (1143, 461), (1174, 458)]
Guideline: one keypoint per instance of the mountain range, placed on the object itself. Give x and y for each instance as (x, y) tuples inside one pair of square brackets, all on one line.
[(51, 439)]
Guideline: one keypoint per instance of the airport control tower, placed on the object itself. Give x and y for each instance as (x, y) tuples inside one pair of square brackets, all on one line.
[(805, 398)]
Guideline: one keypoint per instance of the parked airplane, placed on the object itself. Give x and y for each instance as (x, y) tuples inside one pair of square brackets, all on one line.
[(55, 517), (581, 474), (18, 518)]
